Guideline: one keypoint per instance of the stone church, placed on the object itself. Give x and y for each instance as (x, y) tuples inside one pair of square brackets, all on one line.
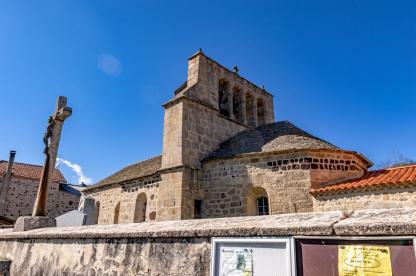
[(224, 155)]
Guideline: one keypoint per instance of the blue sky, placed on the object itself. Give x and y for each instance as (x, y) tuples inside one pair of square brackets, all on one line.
[(342, 70)]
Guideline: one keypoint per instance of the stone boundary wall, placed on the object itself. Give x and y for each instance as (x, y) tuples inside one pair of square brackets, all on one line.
[(177, 247)]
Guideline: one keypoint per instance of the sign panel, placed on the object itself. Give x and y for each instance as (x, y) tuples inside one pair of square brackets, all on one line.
[(355, 256), (363, 260), (237, 262), (252, 256)]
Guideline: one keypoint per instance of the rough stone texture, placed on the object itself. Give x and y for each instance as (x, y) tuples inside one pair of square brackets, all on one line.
[(394, 222), (22, 193), (5, 267), (175, 247), (127, 196), (30, 223), (286, 177), (205, 74), (397, 197), (278, 225), (187, 256)]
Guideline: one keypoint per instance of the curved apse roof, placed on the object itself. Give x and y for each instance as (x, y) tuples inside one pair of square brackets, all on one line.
[(279, 136)]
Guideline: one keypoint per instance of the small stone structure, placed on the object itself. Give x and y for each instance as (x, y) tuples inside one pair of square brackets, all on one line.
[(178, 247), (224, 155)]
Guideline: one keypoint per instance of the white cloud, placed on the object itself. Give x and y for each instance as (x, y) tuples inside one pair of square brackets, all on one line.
[(77, 169), (110, 65)]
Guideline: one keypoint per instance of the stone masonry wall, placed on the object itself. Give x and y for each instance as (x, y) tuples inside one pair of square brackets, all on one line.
[(206, 73), (150, 257), (383, 198), (172, 136), (126, 195), (336, 168), (21, 198), (203, 130), (286, 178), (177, 247)]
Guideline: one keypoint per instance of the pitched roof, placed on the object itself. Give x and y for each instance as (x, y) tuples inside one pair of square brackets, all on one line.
[(29, 171), (373, 179), (134, 171), (279, 136)]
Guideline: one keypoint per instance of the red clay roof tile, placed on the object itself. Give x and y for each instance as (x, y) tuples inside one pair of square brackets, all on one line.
[(29, 171), (386, 177)]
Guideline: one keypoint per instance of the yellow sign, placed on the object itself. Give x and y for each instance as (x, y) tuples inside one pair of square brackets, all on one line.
[(364, 260)]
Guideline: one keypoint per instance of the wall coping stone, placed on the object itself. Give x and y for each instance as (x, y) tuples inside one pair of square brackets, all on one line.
[(397, 222), (389, 222)]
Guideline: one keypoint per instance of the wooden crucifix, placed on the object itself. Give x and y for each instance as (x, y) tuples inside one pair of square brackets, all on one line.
[(51, 141)]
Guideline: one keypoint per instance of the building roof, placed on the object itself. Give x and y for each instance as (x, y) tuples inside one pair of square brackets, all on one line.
[(134, 171), (70, 188), (373, 179), (279, 136), (28, 171)]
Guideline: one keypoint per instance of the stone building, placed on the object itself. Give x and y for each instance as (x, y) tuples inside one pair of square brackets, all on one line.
[(18, 187), (224, 155)]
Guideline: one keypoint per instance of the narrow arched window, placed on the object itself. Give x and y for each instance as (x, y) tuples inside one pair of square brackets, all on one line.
[(117, 213), (262, 206), (238, 105), (261, 120), (250, 110), (223, 104), (257, 202), (140, 208)]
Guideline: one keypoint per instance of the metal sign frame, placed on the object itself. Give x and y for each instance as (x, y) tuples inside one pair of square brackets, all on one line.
[(289, 243), (332, 240)]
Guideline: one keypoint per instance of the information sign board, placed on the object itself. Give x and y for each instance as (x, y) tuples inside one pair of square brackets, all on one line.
[(252, 256)]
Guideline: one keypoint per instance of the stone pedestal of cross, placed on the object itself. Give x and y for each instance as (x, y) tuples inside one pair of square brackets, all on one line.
[(51, 139)]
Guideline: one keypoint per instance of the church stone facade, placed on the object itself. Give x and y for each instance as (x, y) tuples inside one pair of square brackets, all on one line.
[(224, 155)]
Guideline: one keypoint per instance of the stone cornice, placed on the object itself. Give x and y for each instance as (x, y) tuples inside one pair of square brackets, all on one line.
[(389, 222), (251, 154)]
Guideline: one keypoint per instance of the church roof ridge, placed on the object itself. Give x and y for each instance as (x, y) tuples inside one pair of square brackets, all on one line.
[(133, 171), (276, 136)]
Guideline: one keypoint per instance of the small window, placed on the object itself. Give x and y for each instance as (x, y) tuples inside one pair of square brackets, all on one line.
[(197, 209), (262, 206)]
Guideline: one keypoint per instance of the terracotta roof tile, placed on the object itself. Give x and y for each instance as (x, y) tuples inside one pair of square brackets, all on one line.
[(28, 171), (385, 177)]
